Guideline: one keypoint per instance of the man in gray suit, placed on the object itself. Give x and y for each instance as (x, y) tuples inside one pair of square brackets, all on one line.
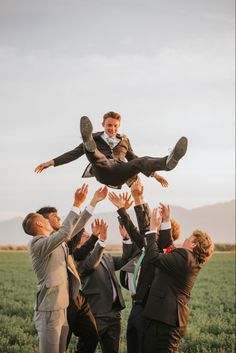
[(79, 315), (102, 289), (49, 256)]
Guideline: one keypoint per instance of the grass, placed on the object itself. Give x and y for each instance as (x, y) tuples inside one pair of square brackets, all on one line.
[(211, 326)]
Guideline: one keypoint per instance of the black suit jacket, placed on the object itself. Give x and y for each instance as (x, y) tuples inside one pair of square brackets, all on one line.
[(122, 151), (143, 216), (175, 275), (147, 270), (78, 254), (97, 274)]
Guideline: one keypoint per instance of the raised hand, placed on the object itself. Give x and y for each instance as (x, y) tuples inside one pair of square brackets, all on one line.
[(137, 189), (43, 166), (164, 212), (126, 197), (103, 230), (155, 221), (99, 195), (80, 195), (118, 201), (164, 183), (123, 232), (95, 226)]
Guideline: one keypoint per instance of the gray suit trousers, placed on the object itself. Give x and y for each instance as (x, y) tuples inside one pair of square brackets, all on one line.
[(52, 327)]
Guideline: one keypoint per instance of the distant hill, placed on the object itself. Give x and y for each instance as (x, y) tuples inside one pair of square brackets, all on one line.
[(218, 220)]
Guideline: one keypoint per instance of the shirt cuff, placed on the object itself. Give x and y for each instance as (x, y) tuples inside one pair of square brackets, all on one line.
[(128, 241), (165, 225), (76, 210), (101, 243), (89, 209), (151, 232)]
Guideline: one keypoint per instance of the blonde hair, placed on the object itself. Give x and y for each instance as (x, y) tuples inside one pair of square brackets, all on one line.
[(204, 245), (112, 115), (175, 229), (28, 223)]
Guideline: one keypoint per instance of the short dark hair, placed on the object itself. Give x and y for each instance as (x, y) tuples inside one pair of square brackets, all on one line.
[(112, 115), (28, 223), (44, 211)]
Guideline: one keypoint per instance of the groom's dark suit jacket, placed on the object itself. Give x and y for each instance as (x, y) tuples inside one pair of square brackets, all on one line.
[(176, 273), (122, 151)]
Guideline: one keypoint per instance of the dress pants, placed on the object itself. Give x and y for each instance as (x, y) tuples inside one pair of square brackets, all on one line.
[(114, 172), (162, 338), (82, 323), (135, 329), (109, 333), (52, 327)]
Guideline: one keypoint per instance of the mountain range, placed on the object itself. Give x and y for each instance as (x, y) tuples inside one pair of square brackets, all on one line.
[(218, 220)]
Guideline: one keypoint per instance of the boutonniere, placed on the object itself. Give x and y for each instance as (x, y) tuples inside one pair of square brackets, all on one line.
[(123, 137), (169, 249)]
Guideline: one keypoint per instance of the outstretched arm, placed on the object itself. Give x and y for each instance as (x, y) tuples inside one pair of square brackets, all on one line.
[(174, 263), (164, 183), (127, 249), (82, 252), (72, 244), (43, 166), (142, 210), (92, 260), (45, 245), (63, 159)]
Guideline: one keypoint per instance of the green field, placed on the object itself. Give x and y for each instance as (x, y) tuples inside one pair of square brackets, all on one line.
[(211, 327)]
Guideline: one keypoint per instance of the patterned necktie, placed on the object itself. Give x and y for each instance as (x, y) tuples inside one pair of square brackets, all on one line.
[(110, 142), (137, 268)]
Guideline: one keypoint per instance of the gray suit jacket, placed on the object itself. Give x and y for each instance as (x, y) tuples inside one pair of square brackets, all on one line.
[(49, 257), (97, 275)]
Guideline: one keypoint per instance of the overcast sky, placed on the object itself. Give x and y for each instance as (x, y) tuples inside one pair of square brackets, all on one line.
[(166, 66)]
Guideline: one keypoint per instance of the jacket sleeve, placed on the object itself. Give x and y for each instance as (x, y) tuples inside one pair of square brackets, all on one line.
[(120, 261), (165, 239), (133, 232), (72, 244), (143, 217), (84, 250), (130, 153), (173, 263), (45, 245), (91, 262), (69, 156)]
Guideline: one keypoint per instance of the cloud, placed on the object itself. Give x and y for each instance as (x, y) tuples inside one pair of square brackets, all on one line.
[(167, 67)]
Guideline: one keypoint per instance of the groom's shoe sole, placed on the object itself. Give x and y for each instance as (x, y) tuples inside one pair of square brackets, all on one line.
[(86, 129), (177, 153)]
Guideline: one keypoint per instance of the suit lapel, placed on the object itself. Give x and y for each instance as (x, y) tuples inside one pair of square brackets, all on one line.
[(120, 138), (103, 262), (66, 251), (72, 268)]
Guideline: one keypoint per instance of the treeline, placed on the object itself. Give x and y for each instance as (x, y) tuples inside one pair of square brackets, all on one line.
[(225, 247), (114, 248)]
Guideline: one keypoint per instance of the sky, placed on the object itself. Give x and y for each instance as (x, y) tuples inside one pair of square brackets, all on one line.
[(166, 66)]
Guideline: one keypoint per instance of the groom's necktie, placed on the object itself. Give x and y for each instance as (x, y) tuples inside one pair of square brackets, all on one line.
[(137, 268), (110, 142)]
